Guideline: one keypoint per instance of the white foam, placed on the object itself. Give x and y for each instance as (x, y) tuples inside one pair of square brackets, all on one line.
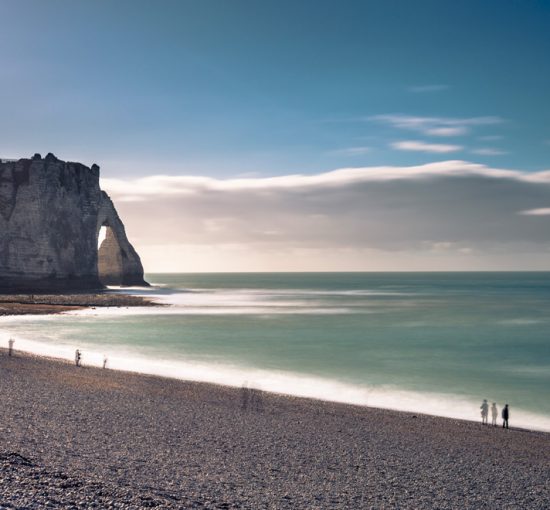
[(271, 292), (246, 301), (201, 310), (520, 322), (218, 301), (320, 388)]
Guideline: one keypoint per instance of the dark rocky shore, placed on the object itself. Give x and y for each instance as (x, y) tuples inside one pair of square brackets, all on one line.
[(91, 438), (42, 304)]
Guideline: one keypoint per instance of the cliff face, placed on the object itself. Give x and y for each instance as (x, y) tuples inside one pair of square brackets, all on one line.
[(50, 216)]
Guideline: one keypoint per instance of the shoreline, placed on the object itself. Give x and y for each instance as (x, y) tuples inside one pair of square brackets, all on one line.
[(213, 385), (293, 385), (425, 400), (90, 435), (50, 304)]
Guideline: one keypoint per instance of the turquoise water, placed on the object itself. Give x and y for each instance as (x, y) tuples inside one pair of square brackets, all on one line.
[(432, 342)]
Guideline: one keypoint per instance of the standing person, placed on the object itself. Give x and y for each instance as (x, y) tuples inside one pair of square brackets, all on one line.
[(10, 346), (494, 414), (505, 416), (77, 356), (105, 361), (484, 411), (244, 395)]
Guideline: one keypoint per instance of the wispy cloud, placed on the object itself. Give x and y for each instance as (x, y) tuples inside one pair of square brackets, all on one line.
[(191, 186), (446, 131), (435, 126), (350, 151), (419, 146), (489, 151), (544, 211), (427, 88)]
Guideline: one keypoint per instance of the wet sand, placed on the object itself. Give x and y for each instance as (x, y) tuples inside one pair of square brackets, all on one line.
[(92, 438)]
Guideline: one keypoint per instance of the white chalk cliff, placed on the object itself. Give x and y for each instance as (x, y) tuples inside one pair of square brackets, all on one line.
[(51, 213)]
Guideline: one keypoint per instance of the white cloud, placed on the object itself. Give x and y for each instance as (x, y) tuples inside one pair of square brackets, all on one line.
[(415, 145), (544, 211), (445, 215), (192, 186), (435, 126), (489, 151)]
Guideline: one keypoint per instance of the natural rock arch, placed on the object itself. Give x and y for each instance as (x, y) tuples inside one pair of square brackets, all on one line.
[(50, 215), (118, 262)]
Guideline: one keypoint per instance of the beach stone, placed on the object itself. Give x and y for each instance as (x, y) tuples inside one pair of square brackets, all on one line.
[(51, 212), (130, 441)]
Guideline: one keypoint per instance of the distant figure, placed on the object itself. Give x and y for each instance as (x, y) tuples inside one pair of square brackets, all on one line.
[(251, 398), (105, 361), (77, 357), (484, 412), (244, 395), (10, 346), (256, 402), (494, 414), (505, 416)]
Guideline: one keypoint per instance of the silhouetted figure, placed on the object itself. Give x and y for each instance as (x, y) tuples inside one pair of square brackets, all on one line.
[(10, 346), (256, 402), (494, 414), (77, 357), (251, 398), (105, 361), (484, 411), (505, 416)]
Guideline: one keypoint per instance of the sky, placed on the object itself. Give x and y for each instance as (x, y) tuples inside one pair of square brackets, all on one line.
[(227, 130)]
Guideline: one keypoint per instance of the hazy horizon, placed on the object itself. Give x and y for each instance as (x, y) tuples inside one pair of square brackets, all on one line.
[(336, 272)]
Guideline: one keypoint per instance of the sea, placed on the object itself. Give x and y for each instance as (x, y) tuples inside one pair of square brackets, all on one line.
[(435, 343)]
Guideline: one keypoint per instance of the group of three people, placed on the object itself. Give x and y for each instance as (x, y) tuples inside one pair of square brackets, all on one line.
[(494, 414)]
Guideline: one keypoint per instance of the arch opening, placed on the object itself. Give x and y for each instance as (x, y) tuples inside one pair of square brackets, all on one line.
[(101, 236), (110, 258)]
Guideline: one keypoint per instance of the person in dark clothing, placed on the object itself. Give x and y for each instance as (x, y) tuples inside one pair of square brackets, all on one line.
[(505, 416)]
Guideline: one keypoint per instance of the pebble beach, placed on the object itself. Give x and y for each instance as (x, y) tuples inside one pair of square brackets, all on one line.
[(93, 438)]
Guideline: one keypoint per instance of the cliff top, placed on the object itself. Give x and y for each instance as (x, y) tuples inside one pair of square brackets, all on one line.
[(50, 158)]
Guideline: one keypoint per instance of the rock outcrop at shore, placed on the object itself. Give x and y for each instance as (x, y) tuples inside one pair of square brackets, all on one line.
[(51, 213)]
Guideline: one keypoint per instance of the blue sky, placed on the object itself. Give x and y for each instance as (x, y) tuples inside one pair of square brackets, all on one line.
[(226, 88), (224, 128)]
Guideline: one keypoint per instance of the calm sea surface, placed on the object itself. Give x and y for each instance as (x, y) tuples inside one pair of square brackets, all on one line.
[(430, 342)]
